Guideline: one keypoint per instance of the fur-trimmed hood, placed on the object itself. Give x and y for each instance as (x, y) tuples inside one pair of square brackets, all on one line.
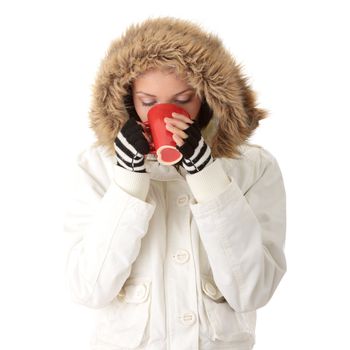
[(197, 56)]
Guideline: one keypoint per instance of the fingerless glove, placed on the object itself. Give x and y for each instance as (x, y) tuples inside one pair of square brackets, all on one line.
[(131, 146), (196, 153)]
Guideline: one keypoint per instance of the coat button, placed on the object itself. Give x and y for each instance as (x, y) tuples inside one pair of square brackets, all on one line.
[(140, 292), (181, 256), (188, 318), (182, 200), (210, 289), (134, 293)]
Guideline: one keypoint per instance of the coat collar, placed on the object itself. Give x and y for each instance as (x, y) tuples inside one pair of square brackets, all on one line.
[(162, 172)]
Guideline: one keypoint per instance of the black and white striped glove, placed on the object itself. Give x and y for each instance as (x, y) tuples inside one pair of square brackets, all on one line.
[(131, 146), (196, 153)]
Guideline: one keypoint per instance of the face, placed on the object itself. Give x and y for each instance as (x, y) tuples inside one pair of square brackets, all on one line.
[(161, 86)]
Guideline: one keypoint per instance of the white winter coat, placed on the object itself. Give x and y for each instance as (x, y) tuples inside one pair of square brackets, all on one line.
[(175, 261)]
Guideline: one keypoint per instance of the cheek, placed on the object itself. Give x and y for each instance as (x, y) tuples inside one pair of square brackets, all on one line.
[(194, 109), (141, 111)]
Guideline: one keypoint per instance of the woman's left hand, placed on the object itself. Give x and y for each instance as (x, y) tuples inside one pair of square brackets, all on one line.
[(189, 141), (177, 125)]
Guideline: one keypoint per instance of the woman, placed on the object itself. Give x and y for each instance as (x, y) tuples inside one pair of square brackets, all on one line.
[(174, 257)]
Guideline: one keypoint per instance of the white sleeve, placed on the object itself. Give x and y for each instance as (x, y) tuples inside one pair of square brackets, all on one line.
[(209, 182), (103, 230), (244, 237)]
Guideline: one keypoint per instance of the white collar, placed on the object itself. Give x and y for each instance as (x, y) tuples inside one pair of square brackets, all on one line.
[(163, 172)]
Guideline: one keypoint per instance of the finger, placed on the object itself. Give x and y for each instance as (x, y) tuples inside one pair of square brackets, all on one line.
[(178, 140), (182, 117), (147, 137), (145, 128), (176, 131), (142, 125), (177, 123)]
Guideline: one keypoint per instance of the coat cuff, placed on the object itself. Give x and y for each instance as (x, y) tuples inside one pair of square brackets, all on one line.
[(134, 183), (209, 182)]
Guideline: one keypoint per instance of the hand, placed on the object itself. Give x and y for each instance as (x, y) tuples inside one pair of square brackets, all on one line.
[(189, 141), (131, 145)]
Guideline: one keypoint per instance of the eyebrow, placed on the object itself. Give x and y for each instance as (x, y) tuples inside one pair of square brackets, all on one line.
[(179, 93)]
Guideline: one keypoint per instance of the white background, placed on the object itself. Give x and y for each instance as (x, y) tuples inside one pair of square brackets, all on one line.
[(296, 54)]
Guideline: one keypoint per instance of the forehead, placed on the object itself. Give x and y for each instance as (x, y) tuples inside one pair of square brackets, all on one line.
[(158, 81)]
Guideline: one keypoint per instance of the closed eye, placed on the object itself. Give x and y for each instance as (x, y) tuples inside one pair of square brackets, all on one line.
[(183, 101), (148, 104), (176, 101)]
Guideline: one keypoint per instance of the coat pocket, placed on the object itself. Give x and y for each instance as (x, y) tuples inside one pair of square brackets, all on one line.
[(127, 316), (224, 323)]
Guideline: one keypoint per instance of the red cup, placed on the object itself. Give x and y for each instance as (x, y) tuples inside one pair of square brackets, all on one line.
[(163, 144)]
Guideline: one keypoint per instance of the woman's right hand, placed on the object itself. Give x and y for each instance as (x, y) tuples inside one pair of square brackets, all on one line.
[(131, 145)]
